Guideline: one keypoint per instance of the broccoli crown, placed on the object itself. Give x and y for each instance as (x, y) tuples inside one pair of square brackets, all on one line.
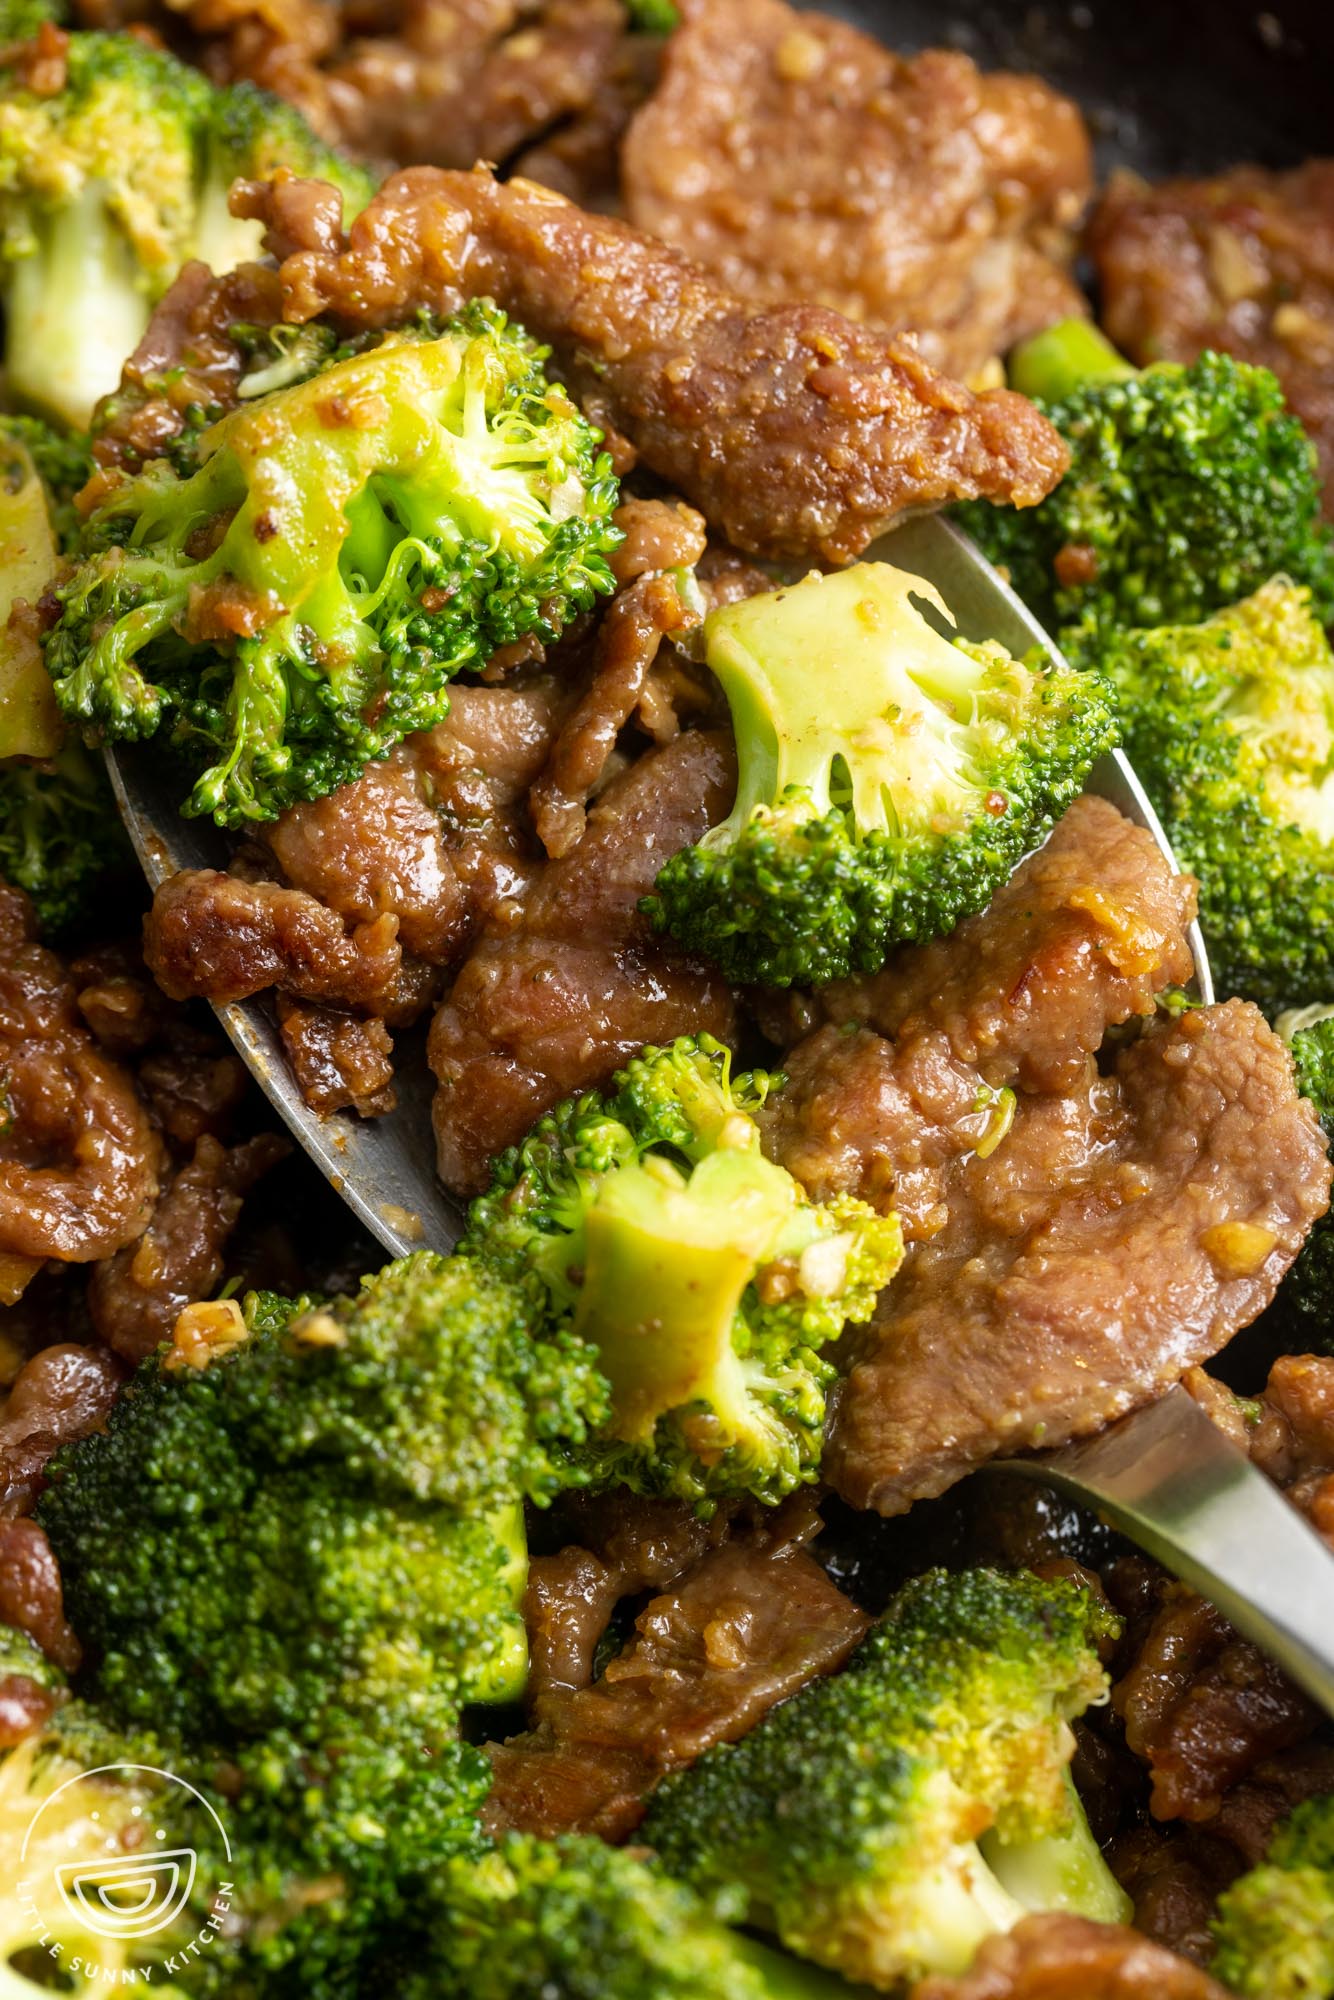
[(849, 1819), (20, 20), (573, 1919), (61, 838), (1274, 1931), (426, 1385), (107, 186), (321, 1859), (300, 600), (1230, 724), (61, 459), (319, 1533), (1188, 487), (647, 1220), (1303, 1312), (889, 778)]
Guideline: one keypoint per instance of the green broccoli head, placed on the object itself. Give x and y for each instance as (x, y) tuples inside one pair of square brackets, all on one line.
[(889, 778), (1188, 487), (1274, 1931), (574, 1919), (375, 1454), (647, 1220), (1303, 1311), (885, 1821), (426, 1385), (107, 187), (1230, 724), (61, 838), (299, 601), (304, 1867)]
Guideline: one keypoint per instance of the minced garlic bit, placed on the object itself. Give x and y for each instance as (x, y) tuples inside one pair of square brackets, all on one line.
[(203, 1331)]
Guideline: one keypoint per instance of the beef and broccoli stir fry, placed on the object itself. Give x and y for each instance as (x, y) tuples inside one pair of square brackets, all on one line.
[(457, 443)]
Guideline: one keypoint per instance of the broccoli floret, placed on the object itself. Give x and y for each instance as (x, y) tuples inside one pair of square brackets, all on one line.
[(61, 838), (1188, 488), (1274, 1929), (648, 1221), (316, 1532), (1303, 1311), (61, 459), (20, 20), (107, 187), (653, 17), (576, 1920), (886, 1820), (889, 779), (300, 1868), (1230, 724), (375, 528)]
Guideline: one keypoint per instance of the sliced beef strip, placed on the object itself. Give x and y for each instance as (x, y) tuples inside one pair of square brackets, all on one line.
[(1080, 939), (919, 195), (1063, 1957), (136, 1296), (375, 848), (1243, 263), (567, 982), (79, 1159), (340, 1062), (1117, 1236), (1202, 1707), (64, 1392), (796, 433), (1125, 1224), (31, 1598), (215, 937), (643, 613), (754, 1620)]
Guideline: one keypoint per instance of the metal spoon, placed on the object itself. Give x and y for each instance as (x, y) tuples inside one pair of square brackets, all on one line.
[(1165, 1475)]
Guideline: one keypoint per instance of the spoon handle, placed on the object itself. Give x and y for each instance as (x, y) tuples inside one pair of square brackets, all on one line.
[(1169, 1479)]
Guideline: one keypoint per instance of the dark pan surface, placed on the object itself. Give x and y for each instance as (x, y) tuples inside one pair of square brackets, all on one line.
[(1169, 86)]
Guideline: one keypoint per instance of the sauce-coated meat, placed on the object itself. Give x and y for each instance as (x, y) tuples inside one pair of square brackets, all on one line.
[(795, 157), (752, 1621), (796, 432), (1061, 1957), (64, 1392), (568, 981), (1243, 263), (78, 1157), (136, 1296), (1108, 1230)]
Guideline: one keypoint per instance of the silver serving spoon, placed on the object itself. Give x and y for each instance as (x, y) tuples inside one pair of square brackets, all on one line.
[(1165, 1475)]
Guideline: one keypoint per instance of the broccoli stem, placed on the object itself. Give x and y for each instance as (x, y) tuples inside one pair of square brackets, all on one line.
[(666, 1266), (1060, 1871), (75, 309), (1066, 357)]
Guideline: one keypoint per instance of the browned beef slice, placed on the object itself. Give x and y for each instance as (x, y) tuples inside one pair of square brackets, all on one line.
[(1204, 1707), (643, 613), (1174, 1878), (30, 1594), (373, 848), (136, 1296), (1062, 1957), (1116, 1236), (796, 432), (568, 981), (1243, 263), (214, 937), (796, 158), (340, 1062), (749, 1624), (78, 1157), (1080, 939), (1288, 1429), (63, 1392)]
